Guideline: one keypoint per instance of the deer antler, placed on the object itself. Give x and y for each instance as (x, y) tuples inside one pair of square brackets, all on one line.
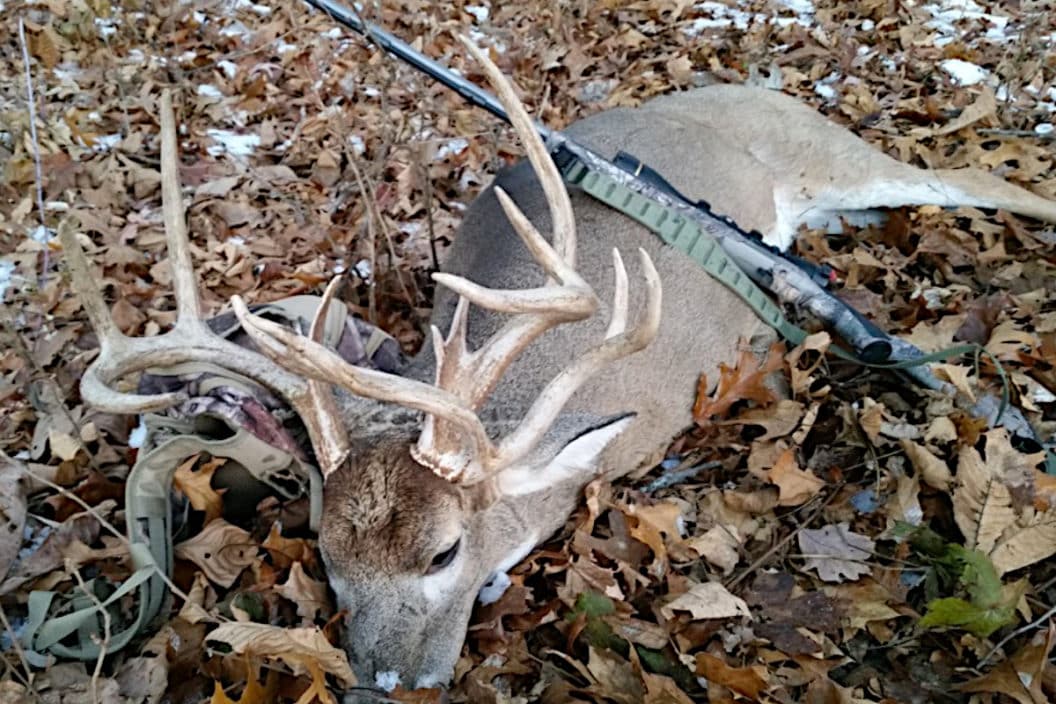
[(453, 441), (190, 339)]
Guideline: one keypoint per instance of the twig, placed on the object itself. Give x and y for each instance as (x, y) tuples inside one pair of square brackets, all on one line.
[(31, 103), (372, 237), (678, 476), (1001, 132), (17, 645), (1036, 623), (783, 542), (104, 644)]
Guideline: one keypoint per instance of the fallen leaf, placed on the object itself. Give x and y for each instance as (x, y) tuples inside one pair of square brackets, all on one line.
[(984, 510), (309, 594), (745, 381), (836, 552), (197, 486), (746, 681), (12, 511), (931, 470), (221, 551), (1022, 676), (718, 545), (796, 486), (298, 648), (707, 600)]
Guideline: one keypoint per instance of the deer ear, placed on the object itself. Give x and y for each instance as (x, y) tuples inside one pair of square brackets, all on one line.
[(578, 458)]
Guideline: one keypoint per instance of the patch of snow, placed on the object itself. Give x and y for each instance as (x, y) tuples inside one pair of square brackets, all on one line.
[(964, 73), (237, 145), (951, 18), (494, 589), (721, 17), (229, 68), (283, 48), (339, 266), (235, 29), (136, 56), (138, 437), (42, 234), (334, 33), (825, 90), (200, 17), (105, 142), (1044, 128), (450, 148), (480, 12), (67, 72), (187, 57), (362, 268), (237, 241), (107, 26), (868, 25), (387, 680), (209, 91), (371, 92), (358, 145), (7, 271)]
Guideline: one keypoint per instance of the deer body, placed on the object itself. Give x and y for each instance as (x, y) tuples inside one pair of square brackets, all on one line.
[(440, 479)]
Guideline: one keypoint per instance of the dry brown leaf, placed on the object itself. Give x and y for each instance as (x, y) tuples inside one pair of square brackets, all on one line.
[(747, 681), (777, 420), (707, 600), (309, 594), (746, 381), (984, 510), (12, 511), (836, 552), (286, 551), (650, 525), (299, 648), (797, 486), (931, 470), (221, 551), (197, 486), (718, 545), (1022, 676)]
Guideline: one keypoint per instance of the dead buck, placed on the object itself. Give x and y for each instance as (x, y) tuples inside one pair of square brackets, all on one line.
[(444, 477)]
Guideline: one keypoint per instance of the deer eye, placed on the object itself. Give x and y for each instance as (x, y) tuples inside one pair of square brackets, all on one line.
[(443, 559)]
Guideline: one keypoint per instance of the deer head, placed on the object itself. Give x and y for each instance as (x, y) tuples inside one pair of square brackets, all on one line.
[(417, 517)]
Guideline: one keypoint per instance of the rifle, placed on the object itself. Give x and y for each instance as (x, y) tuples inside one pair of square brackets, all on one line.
[(788, 278)]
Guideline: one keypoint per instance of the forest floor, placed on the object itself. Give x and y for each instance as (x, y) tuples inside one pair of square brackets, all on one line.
[(863, 541)]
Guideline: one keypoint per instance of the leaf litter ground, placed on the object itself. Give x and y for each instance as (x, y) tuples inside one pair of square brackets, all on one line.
[(858, 541)]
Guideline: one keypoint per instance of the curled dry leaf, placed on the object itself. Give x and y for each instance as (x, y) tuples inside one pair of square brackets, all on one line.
[(221, 551), (986, 513), (746, 681), (837, 553), (12, 511), (309, 594), (197, 486), (931, 470), (718, 545), (299, 648), (796, 486), (746, 381), (707, 600)]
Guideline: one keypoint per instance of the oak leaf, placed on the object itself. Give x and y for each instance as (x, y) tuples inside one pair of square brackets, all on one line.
[(309, 594), (302, 649), (707, 600), (836, 552), (197, 486), (796, 486), (745, 681), (221, 551), (745, 381)]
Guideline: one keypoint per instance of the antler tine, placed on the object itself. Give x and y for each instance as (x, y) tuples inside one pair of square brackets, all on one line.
[(617, 345), (327, 432), (312, 360), (184, 286), (562, 218), (189, 341)]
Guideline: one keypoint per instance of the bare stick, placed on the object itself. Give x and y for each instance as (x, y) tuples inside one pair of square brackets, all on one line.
[(104, 644), (1036, 623), (31, 103)]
